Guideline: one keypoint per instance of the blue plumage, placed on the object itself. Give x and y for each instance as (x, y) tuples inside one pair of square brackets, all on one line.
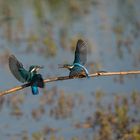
[(34, 89), (77, 69), (80, 68), (23, 75), (36, 81)]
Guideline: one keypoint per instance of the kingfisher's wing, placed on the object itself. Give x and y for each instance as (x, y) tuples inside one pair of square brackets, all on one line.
[(81, 52), (17, 69)]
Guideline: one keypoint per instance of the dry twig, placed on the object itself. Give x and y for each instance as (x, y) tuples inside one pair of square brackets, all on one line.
[(67, 78)]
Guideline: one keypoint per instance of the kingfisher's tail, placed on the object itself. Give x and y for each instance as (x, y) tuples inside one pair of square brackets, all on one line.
[(34, 89), (36, 81)]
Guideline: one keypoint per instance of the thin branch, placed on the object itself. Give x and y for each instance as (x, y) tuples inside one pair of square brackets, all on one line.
[(67, 78)]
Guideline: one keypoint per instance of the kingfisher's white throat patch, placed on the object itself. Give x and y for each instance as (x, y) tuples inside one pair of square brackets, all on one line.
[(71, 66), (33, 69)]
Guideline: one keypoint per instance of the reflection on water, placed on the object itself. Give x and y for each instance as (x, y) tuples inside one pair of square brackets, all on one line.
[(45, 32)]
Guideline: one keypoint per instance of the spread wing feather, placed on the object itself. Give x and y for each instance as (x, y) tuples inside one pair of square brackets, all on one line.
[(81, 52), (17, 69)]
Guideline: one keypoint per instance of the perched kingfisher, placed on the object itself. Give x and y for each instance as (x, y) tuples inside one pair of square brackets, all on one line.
[(77, 69), (24, 75)]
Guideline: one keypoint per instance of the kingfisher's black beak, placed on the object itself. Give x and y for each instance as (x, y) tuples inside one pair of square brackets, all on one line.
[(39, 67), (61, 66)]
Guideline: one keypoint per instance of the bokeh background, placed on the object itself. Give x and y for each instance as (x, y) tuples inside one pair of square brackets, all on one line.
[(45, 32)]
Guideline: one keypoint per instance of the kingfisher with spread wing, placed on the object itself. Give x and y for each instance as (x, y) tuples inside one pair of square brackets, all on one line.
[(23, 75), (77, 69)]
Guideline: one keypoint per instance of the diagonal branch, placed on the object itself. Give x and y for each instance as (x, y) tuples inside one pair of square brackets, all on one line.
[(68, 78)]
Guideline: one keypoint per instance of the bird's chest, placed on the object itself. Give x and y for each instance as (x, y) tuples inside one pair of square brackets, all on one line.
[(77, 71)]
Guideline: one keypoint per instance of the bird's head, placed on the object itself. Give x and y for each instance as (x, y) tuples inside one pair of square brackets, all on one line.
[(35, 68), (67, 66)]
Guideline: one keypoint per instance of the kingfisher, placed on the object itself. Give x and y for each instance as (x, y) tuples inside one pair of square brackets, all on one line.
[(23, 75), (77, 69)]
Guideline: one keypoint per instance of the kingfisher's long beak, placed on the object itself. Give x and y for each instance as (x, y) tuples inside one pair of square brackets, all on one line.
[(39, 67), (61, 66)]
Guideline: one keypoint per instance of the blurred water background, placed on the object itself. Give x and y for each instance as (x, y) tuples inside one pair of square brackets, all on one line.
[(45, 32)]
